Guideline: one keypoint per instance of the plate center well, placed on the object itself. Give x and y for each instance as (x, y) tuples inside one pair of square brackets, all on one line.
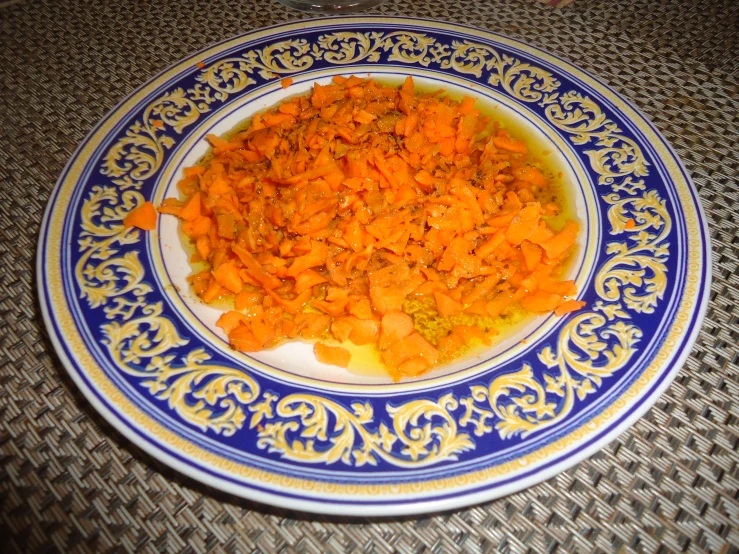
[(295, 360)]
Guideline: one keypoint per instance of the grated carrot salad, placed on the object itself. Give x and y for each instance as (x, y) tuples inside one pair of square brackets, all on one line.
[(374, 214)]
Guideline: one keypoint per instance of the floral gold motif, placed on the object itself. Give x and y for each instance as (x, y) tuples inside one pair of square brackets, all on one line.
[(351, 48), (232, 75), (521, 80), (617, 156), (328, 432), (140, 154), (636, 271)]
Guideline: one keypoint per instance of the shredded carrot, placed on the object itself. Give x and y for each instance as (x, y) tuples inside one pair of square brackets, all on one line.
[(569, 306), (333, 355), (395, 326), (286, 82), (336, 211), (144, 217), (200, 65)]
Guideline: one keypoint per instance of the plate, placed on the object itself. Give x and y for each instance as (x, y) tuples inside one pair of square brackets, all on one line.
[(278, 427)]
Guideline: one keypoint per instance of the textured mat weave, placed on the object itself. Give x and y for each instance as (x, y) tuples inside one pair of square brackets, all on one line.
[(556, 3), (68, 483)]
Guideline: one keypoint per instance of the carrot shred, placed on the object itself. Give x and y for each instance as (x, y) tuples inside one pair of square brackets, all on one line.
[(227, 275), (144, 217), (541, 302), (561, 242), (446, 305), (230, 320), (395, 325), (335, 212), (362, 309), (307, 280), (332, 355), (569, 306), (409, 347)]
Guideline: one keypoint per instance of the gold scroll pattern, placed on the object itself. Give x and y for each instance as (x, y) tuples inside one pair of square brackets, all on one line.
[(311, 428)]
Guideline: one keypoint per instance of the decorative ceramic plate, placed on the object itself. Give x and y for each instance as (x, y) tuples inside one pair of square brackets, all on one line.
[(280, 428)]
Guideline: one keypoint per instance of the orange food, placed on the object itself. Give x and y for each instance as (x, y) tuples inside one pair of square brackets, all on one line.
[(569, 306), (230, 321), (396, 325), (144, 217), (332, 355), (446, 305), (334, 210)]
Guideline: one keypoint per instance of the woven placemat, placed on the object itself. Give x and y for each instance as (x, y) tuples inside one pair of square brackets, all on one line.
[(556, 3), (69, 483)]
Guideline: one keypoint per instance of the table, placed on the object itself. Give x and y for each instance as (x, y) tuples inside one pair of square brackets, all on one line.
[(70, 483)]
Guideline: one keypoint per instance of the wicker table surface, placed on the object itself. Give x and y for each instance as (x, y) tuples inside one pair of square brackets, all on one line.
[(69, 483)]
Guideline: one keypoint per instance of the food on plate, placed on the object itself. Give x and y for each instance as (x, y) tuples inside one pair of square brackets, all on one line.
[(377, 215), (144, 217)]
